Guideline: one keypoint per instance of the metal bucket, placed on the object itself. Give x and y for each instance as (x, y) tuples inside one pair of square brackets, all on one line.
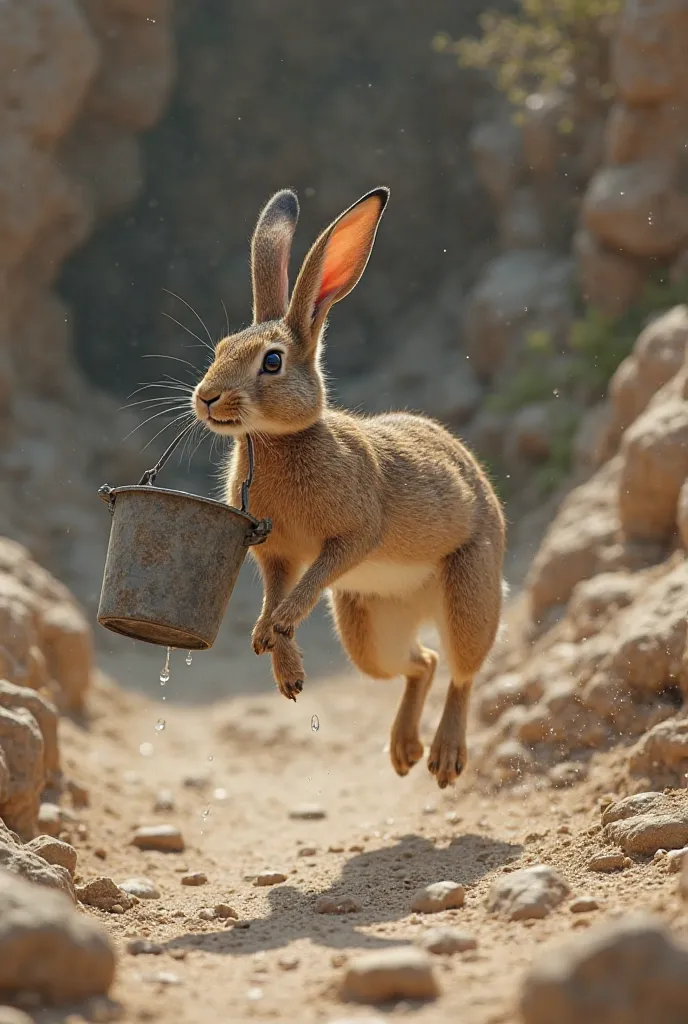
[(172, 562)]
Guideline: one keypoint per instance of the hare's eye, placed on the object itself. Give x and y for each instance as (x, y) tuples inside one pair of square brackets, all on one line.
[(272, 362)]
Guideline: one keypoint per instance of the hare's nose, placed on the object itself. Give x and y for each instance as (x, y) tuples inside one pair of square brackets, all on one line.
[(211, 401)]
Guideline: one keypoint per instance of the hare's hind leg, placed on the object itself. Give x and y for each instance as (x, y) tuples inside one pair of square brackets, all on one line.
[(379, 635), (471, 607)]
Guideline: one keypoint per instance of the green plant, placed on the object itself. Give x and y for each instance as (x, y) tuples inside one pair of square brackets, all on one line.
[(548, 45)]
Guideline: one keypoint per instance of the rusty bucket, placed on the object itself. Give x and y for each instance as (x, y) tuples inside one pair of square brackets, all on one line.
[(173, 560)]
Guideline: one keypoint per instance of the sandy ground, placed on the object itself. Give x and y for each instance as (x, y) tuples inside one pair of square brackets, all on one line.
[(237, 768)]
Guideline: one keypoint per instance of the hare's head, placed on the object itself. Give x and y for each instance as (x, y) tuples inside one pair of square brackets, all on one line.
[(266, 379)]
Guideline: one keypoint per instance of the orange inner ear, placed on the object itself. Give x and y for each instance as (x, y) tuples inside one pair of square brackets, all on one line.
[(347, 249)]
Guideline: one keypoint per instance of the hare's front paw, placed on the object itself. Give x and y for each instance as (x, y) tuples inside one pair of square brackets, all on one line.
[(263, 637), (284, 620)]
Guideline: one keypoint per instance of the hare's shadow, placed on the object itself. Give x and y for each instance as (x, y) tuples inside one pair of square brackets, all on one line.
[(381, 881)]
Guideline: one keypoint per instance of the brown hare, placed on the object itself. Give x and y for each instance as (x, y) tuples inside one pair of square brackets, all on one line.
[(390, 514)]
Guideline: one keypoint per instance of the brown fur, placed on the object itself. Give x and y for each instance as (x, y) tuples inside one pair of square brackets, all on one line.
[(390, 513)]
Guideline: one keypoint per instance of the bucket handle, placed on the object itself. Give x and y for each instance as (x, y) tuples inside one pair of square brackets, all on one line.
[(261, 527)]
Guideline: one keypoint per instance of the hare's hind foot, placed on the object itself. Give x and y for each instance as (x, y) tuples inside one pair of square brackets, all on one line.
[(287, 667), (449, 753), (405, 747)]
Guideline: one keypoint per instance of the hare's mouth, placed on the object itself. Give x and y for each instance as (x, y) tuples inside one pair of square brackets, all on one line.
[(229, 422)]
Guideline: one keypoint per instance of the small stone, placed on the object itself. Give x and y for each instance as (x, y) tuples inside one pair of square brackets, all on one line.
[(269, 878), (336, 905), (335, 848), (54, 851), (12, 1015), (178, 954), (445, 941), (103, 894), (675, 858), (224, 911), (165, 838), (163, 978), (451, 817), (199, 781), (567, 773), (390, 974), (100, 853), (207, 914), (287, 962), (79, 794), (164, 801), (195, 878), (50, 819), (142, 888), (583, 905), (528, 893), (139, 947), (307, 812), (607, 862), (103, 1010), (307, 851), (437, 897)]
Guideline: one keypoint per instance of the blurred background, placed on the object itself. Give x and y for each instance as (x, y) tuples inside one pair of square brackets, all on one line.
[(537, 159)]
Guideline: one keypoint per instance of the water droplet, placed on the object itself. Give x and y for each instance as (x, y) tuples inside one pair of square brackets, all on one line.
[(315, 723), (160, 725), (189, 658), (146, 750), (210, 757), (165, 672)]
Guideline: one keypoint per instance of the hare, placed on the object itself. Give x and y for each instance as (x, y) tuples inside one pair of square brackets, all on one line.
[(390, 514)]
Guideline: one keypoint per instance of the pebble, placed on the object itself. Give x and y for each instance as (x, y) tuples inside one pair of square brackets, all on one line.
[(445, 941), (607, 862), (200, 781), (390, 974), (207, 914), (54, 851), (143, 888), (103, 894), (137, 947), (675, 858), (195, 878), (163, 978), (166, 838), (307, 851), (164, 801), (288, 962), (224, 911), (528, 893), (336, 905), (335, 848), (50, 819), (437, 897), (307, 812), (583, 905), (11, 1015), (269, 878)]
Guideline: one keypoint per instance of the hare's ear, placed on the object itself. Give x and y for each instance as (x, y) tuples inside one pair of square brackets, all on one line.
[(270, 249), (334, 265)]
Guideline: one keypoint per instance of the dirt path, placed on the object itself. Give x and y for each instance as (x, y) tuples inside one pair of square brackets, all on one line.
[(236, 770)]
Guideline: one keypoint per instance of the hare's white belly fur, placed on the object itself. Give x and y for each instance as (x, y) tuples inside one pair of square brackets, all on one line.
[(385, 579)]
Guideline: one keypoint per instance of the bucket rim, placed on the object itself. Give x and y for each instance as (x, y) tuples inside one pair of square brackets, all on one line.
[(151, 489)]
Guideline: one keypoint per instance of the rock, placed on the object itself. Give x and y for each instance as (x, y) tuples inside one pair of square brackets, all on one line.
[(68, 645), (631, 806), (22, 744), (654, 468), (224, 911), (48, 948), (675, 858), (54, 851), (567, 773), (527, 893), (138, 947), (663, 826), (629, 970), (607, 862), (496, 148), (437, 897), (682, 514), (195, 878), (103, 894), (142, 888), (207, 914), (445, 941), (662, 753), (164, 801), (269, 878), (199, 781), (12, 1015), (165, 838), (583, 905), (307, 812), (45, 713), (610, 281), (336, 905), (50, 819), (20, 860), (511, 760), (636, 208), (390, 974)]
